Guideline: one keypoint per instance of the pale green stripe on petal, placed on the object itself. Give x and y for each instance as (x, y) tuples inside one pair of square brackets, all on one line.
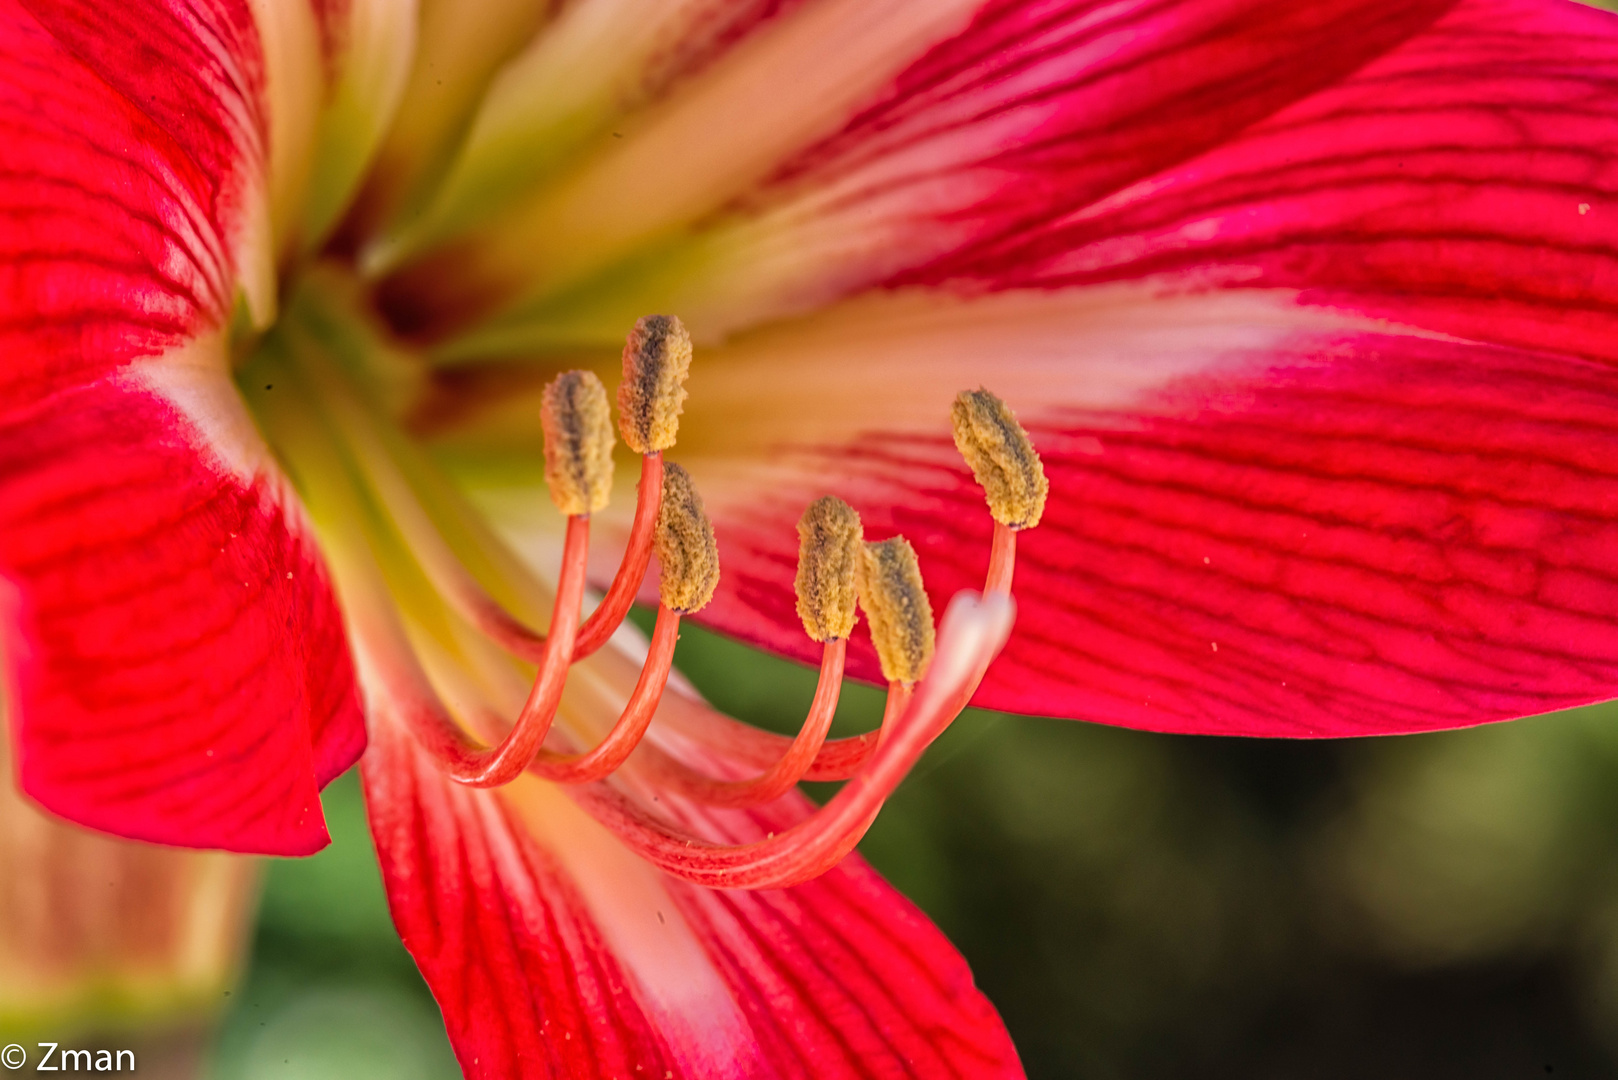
[(461, 45), (293, 85), (599, 60), (378, 46), (715, 138)]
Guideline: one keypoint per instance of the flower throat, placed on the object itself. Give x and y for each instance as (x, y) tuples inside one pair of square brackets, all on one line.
[(433, 598)]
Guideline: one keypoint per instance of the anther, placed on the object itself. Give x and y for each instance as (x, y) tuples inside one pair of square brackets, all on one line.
[(897, 608), (829, 540), (1002, 458), (687, 555), (657, 359), (578, 442)]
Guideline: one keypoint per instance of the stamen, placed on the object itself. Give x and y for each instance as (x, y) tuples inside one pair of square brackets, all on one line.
[(687, 556), (689, 560), (632, 723), (1004, 461), (657, 359), (1002, 458), (578, 442), (837, 575), (974, 629), (896, 606), (483, 611), (828, 558)]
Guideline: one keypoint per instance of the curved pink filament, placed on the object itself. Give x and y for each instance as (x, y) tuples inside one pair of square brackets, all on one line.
[(467, 761), (632, 723), (1002, 560), (784, 774), (817, 843), (506, 630), (609, 614)]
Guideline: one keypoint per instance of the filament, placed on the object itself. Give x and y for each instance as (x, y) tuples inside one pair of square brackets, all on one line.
[(974, 630), (787, 770), (632, 723), (462, 758), (609, 614), (402, 509), (473, 603), (1002, 560)]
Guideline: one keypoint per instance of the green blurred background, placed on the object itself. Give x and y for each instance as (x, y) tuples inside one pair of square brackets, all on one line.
[(1136, 905)]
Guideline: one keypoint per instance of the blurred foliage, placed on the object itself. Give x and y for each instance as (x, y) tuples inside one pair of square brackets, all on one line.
[(332, 994), (1436, 906)]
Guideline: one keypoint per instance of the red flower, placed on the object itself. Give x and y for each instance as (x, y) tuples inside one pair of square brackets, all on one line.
[(1310, 311)]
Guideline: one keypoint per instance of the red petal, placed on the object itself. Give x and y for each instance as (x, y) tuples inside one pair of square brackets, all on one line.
[(174, 87), (112, 223), (550, 955), (178, 671), (498, 930), (1448, 166), (1370, 534), (1427, 161), (1464, 180), (179, 667), (842, 973)]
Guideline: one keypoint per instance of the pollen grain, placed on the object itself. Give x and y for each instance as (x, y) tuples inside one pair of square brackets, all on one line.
[(687, 555), (896, 606), (829, 538), (1002, 458), (657, 359), (578, 442)]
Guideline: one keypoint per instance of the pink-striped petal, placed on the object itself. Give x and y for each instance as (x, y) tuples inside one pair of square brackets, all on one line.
[(1033, 193), (176, 662), (1261, 522), (1464, 181), (1427, 161), (596, 63), (553, 951)]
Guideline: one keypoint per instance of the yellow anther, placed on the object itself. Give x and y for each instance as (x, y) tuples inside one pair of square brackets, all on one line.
[(1002, 458), (687, 557), (829, 539), (896, 606), (578, 442), (657, 359)]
